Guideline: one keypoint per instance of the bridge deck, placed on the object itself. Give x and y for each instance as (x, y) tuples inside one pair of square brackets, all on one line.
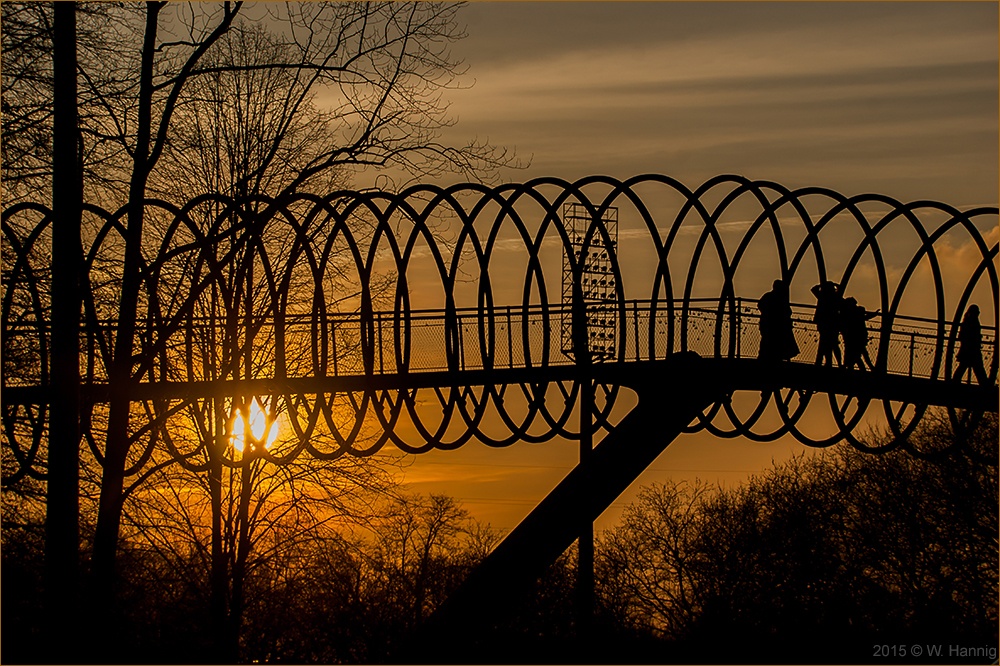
[(731, 374), (506, 345)]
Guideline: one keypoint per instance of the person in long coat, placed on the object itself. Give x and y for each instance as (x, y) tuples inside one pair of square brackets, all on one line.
[(777, 340), (970, 347)]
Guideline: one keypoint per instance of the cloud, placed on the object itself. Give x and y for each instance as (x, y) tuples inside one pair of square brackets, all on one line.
[(856, 96), (800, 55), (502, 34)]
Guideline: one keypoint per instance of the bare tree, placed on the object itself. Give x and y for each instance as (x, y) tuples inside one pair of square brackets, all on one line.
[(846, 544), (103, 31), (248, 128), (225, 528), (416, 539), (26, 149), (298, 96), (649, 564), (385, 67)]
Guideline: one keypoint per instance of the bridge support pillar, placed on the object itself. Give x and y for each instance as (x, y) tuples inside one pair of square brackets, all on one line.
[(585, 542)]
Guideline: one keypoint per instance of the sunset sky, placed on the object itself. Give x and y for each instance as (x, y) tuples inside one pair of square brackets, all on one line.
[(897, 98)]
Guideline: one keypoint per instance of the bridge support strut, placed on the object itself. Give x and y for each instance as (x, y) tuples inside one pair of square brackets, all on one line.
[(463, 627)]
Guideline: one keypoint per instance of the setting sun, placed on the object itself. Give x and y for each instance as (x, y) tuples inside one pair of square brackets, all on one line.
[(262, 429)]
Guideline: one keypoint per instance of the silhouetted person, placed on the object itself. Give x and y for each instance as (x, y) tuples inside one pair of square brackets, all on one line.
[(854, 327), (828, 304), (970, 347), (777, 341)]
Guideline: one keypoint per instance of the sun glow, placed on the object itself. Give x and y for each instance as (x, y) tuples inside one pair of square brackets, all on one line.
[(254, 427)]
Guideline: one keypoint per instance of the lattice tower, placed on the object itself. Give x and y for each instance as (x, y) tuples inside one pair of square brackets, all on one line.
[(597, 278)]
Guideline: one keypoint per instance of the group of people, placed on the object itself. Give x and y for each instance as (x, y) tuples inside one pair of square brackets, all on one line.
[(837, 317)]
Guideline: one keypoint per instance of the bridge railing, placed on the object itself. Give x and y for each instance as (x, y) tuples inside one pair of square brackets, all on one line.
[(520, 338), (734, 333), (387, 343)]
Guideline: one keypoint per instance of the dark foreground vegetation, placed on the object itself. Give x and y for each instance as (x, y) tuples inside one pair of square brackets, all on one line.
[(820, 559), (824, 559)]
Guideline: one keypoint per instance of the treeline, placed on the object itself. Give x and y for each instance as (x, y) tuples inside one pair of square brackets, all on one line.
[(335, 595), (818, 560)]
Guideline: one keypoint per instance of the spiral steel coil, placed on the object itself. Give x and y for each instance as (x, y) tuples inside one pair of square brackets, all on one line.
[(430, 317)]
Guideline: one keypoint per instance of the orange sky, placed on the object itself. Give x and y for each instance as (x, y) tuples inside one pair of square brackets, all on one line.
[(895, 98)]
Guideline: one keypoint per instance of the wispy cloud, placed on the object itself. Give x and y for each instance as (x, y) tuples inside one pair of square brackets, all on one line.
[(855, 96)]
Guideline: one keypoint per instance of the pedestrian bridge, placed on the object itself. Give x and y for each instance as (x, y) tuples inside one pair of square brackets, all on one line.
[(438, 316), (500, 346), (617, 313)]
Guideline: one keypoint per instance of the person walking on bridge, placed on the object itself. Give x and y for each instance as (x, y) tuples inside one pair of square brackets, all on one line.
[(970, 349), (827, 320), (854, 327), (777, 340)]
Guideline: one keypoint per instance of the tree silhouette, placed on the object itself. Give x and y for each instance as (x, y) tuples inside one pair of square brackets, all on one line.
[(240, 533), (844, 547), (151, 79), (649, 566), (350, 592)]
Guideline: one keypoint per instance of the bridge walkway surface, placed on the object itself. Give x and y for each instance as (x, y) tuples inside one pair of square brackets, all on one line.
[(913, 357)]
